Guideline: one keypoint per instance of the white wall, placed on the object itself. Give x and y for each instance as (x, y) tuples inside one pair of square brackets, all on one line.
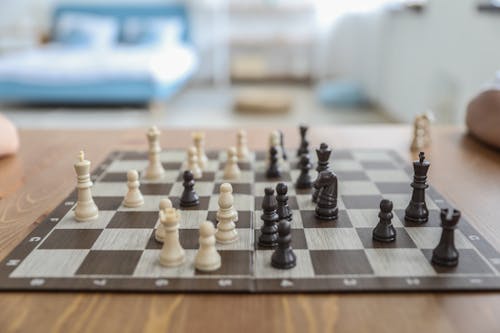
[(436, 59)]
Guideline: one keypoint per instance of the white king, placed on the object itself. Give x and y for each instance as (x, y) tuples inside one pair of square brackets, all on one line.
[(85, 209)]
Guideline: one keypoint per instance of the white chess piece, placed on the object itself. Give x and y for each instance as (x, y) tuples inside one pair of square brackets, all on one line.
[(193, 163), (275, 141), (86, 208), (199, 143), (231, 169), (241, 146), (160, 231), (207, 258), (134, 197), (172, 254), (226, 216), (154, 170)]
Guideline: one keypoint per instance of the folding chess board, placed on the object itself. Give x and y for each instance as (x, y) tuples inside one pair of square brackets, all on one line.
[(118, 252)]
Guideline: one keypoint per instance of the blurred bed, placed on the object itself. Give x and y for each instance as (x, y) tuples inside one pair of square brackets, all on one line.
[(104, 55)]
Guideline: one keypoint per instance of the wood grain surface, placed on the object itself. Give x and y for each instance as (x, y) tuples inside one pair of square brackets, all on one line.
[(41, 175)]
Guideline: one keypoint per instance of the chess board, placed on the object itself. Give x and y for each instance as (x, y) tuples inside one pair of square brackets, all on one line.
[(118, 252)]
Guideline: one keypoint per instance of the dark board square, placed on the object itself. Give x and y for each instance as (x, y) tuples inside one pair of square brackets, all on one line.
[(134, 155), (244, 219), (377, 165), (205, 177), (108, 203), (392, 188), (292, 203), (212, 154), (362, 201), (434, 219), (261, 177), (156, 189), (233, 263), (309, 220), (171, 165), (189, 238), (327, 262), (469, 262), (71, 239), (351, 175), (203, 205), (153, 244), (260, 155), (298, 240), (242, 188), (403, 240), (109, 263), (145, 220), (114, 177)]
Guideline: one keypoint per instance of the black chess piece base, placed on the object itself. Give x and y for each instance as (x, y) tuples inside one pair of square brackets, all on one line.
[(417, 213), (384, 233), (284, 259), (269, 240), (327, 214), (445, 261)]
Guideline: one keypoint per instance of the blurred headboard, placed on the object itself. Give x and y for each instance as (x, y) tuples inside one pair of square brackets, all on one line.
[(121, 12)]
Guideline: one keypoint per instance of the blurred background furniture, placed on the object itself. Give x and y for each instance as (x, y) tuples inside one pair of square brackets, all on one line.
[(139, 53)]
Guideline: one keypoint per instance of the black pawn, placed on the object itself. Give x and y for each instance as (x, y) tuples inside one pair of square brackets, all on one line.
[(417, 211), (384, 231), (282, 144), (446, 254), (304, 144), (273, 171), (269, 230), (283, 257), (189, 197), (284, 211), (323, 154), (304, 180)]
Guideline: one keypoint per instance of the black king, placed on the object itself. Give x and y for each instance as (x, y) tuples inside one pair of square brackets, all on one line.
[(417, 211)]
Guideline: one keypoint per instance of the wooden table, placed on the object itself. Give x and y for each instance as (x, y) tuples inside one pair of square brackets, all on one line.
[(41, 175)]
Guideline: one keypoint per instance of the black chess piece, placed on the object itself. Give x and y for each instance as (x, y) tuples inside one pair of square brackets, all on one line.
[(304, 144), (304, 180), (273, 171), (189, 197), (323, 154), (282, 144), (446, 254), (269, 230), (284, 257), (384, 231), (326, 208), (284, 211), (417, 211)]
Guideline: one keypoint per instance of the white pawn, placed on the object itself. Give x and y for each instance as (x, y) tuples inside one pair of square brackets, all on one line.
[(275, 141), (241, 146), (199, 143), (207, 258), (226, 216), (134, 197), (160, 231), (231, 169), (192, 163), (172, 254)]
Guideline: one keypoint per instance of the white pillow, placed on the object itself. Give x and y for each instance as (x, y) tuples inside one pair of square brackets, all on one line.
[(99, 31), (137, 30)]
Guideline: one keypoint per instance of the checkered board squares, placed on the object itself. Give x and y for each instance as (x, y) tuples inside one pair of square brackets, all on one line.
[(118, 250)]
